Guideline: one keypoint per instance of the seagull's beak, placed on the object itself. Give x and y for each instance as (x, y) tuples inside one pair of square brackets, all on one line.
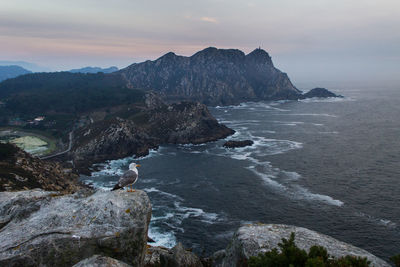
[(137, 165)]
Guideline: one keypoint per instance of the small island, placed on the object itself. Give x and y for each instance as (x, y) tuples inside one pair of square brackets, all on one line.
[(235, 144)]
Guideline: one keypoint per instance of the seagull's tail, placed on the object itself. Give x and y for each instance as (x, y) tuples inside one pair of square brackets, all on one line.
[(116, 187)]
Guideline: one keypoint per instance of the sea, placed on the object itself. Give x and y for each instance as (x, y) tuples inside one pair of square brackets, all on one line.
[(331, 165)]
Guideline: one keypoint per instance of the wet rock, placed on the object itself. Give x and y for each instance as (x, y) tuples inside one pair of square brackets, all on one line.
[(101, 261), (251, 240), (49, 229), (234, 144)]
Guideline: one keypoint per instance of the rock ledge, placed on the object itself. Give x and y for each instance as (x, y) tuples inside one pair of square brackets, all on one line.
[(250, 240)]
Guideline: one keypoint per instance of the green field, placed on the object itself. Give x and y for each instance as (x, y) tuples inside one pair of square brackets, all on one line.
[(34, 142)]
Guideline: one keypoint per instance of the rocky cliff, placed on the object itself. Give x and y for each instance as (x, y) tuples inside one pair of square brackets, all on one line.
[(133, 132), (250, 240), (41, 228), (213, 76), (44, 228), (19, 171)]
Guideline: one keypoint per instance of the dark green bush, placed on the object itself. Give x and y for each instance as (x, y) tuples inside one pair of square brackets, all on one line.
[(291, 255), (7, 151), (396, 260)]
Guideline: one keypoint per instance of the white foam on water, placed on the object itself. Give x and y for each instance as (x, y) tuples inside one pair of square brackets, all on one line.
[(310, 114), (155, 190), (318, 124), (161, 238), (188, 212), (378, 221), (332, 132), (303, 193), (268, 179), (116, 167), (292, 176), (327, 100)]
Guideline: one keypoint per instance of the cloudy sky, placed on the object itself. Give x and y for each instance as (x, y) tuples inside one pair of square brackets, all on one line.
[(308, 39)]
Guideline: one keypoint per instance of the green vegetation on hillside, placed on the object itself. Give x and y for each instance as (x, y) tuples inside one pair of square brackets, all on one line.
[(291, 255), (64, 92)]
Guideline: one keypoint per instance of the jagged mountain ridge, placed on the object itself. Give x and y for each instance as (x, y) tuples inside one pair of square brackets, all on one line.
[(213, 76)]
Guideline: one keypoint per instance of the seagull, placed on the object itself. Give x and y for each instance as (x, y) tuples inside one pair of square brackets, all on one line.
[(128, 178)]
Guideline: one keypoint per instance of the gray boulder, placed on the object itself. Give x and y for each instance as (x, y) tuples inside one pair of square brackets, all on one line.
[(152, 258), (101, 261), (49, 229), (250, 240), (178, 256)]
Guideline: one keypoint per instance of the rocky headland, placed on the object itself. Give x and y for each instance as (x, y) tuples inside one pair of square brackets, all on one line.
[(131, 132), (215, 77)]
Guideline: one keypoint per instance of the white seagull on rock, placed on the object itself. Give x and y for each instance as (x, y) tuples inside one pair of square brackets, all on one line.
[(128, 178)]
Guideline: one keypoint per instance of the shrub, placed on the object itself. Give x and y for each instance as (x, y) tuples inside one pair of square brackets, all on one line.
[(7, 151), (396, 260), (291, 255)]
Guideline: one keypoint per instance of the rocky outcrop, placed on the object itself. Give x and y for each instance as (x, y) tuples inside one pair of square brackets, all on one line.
[(20, 171), (41, 228), (251, 240), (234, 144), (319, 92), (177, 256), (213, 76), (101, 261), (179, 123)]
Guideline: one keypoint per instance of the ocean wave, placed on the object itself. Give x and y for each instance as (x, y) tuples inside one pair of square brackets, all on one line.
[(161, 238), (188, 212), (255, 106), (292, 176), (332, 132), (118, 166), (310, 114), (378, 221), (269, 179), (285, 183), (155, 190), (303, 193), (327, 100)]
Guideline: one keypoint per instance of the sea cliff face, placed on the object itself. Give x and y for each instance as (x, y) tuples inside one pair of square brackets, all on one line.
[(158, 123), (213, 76)]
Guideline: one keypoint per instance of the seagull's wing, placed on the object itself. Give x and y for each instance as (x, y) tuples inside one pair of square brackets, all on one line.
[(127, 178)]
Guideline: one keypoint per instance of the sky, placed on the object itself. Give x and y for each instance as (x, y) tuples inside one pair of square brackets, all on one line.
[(309, 39)]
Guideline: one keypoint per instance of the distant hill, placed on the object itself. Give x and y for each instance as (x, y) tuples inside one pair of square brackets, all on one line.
[(213, 76), (94, 70), (26, 65), (7, 72)]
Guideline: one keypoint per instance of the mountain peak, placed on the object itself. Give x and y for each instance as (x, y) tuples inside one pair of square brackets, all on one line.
[(260, 56), (218, 54)]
